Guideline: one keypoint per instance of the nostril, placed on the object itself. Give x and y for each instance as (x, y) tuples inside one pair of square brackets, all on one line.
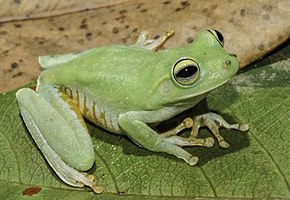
[(228, 63)]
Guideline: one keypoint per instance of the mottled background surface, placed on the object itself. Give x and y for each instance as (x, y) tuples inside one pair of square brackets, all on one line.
[(32, 28)]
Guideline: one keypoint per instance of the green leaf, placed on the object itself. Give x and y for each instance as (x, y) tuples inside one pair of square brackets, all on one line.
[(255, 166)]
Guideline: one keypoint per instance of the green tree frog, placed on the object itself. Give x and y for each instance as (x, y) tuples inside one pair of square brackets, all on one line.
[(125, 89)]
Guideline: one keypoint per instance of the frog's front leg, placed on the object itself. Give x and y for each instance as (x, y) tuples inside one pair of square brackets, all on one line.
[(152, 44), (60, 133), (172, 136), (134, 124), (214, 122)]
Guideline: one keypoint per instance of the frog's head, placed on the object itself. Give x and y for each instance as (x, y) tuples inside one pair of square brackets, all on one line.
[(195, 70)]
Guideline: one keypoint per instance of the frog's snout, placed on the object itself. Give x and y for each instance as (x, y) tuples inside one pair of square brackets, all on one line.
[(233, 62)]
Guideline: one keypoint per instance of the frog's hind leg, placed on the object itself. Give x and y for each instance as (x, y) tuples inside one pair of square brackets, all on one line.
[(214, 122), (152, 44), (60, 134)]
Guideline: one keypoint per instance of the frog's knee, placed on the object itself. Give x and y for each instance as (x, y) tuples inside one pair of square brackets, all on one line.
[(82, 162)]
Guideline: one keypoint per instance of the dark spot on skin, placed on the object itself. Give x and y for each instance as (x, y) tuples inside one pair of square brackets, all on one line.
[(14, 65), (135, 30), (37, 6), (115, 30), (105, 22), (266, 17), (194, 28), (184, 3), (17, 25), (267, 7), (177, 9), (5, 53), (41, 39), (31, 191), (3, 32), (125, 39), (127, 26), (83, 26), (144, 10), (189, 40), (231, 20), (18, 74), (89, 36), (17, 1), (214, 6), (243, 12), (156, 37), (139, 5), (61, 29), (207, 12), (122, 11), (84, 21), (261, 47), (166, 2), (98, 33), (7, 70), (121, 18), (20, 60), (280, 37), (81, 41), (112, 10)]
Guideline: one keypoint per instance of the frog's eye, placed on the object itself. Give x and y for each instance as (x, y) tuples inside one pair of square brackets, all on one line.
[(218, 36), (185, 72)]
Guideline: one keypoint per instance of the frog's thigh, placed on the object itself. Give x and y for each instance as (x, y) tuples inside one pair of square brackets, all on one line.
[(132, 123), (61, 129)]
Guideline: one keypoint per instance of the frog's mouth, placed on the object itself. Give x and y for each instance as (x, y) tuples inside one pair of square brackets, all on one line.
[(212, 87), (197, 95)]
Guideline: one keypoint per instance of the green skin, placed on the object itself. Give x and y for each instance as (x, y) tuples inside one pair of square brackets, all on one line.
[(131, 86)]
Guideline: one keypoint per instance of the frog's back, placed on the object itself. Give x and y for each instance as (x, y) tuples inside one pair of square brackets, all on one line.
[(101, 81)]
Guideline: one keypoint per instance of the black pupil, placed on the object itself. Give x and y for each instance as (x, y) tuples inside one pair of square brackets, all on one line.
[(220, 36), (187, 71)]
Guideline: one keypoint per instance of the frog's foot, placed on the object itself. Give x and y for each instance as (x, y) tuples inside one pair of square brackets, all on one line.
[(171, 136), (152, 44), (72, 176), (214, 122)]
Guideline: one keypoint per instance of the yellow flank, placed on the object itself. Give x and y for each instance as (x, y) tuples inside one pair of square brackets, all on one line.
[(72, 106), (77, 98), (85, 109), (88, 108)]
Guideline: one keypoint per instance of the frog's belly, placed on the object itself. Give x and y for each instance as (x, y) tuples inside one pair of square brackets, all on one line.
[(94, 111)]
